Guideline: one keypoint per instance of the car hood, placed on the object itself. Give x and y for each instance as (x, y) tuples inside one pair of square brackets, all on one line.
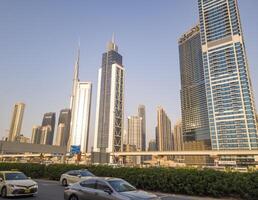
[(138, 194), (26, 183)]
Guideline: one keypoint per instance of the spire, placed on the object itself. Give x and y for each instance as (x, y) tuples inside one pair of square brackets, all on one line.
[(112, 45), (75, 77)]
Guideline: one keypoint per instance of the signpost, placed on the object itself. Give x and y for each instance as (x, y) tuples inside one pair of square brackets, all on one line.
[(75, 149)]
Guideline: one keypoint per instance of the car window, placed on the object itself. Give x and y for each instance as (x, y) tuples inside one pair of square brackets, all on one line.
[(102, 186), (73, 173), (15, 176), (86, 173), (121, 186), (2, 176), (89, 184)]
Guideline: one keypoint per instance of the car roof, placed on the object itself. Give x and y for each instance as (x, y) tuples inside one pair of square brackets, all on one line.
[(10, 172), (104, 178)]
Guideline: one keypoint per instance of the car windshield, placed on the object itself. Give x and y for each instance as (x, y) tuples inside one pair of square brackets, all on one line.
[(86, 173), (121, 186), (15, 176)]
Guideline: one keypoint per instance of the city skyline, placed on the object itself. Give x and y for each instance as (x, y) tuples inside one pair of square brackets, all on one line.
[(173, 113)]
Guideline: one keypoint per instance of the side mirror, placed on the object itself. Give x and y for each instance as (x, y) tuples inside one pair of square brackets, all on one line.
[(1, 179), (79, 176), (108, 190)]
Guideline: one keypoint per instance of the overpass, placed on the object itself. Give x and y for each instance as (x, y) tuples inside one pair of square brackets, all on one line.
[(189, 153)]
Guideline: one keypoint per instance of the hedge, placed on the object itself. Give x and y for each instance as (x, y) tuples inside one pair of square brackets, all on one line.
[(181, 181)]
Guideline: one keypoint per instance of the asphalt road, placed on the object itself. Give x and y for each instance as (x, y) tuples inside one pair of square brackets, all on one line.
[(51, 190)]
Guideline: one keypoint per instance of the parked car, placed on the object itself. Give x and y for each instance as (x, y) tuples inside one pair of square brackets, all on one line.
[(74, 176), (98, 188), (15, 183)]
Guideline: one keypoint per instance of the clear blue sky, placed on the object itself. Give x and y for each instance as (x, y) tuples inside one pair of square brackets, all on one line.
[(38, 41)]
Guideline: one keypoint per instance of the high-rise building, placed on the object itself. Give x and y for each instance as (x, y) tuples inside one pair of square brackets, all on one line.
[(36, 135), (163, 131), (195, 123), (178, 137), (46, 135), (49, 121), (81, 118), (231, 108), (152, 145), (23, 139), (59, 140), (135, 132), (142, 114), (64, 129), (80, 106), (109, 124), (16, 123)]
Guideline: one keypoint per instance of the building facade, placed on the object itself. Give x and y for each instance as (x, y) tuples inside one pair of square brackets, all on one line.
[(16, 123), (231, 108), (46, 135), (164, 138), (64, 122), (178, 137), (195, 122), (142, 114), (135, 132), (109, 124), (81, 118), (36, 135), (49, 121)]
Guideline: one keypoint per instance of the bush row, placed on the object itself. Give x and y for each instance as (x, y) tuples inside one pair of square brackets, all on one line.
[(168, 180)]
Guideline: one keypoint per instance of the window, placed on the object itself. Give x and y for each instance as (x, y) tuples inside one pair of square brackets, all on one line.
[(102, 186), (89, 184), (73, 173), (1, 176)]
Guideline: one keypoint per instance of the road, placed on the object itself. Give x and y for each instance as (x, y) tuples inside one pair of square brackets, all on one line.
[(51, 190)]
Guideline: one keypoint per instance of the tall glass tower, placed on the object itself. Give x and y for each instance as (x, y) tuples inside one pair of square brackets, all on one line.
[(195, 124), (231, 108), (110, 106)]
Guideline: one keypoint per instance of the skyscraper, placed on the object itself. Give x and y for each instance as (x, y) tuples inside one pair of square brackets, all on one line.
[(46, 135), (163, 131), (109, 124), (36, 135), (231, 108), (178, 137), (134, 132), (48, 121), (195, 124), (65, 120), (16, 123), (80, 106), (81, 118), (142, 114)]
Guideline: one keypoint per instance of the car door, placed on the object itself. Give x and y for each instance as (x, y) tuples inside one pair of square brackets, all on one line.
[(72, 176), (87, 190), (101, 186), (2, 180)]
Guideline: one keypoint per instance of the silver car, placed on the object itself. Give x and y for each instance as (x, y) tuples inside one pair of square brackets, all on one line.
[(74, 176), (105, 189)]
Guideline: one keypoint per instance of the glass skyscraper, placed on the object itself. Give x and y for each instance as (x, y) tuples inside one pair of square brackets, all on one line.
[(230, 102), (195, 124), (110, 106)]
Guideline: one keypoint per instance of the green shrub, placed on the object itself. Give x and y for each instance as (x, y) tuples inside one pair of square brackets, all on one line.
[(30, 169), (182, 181)]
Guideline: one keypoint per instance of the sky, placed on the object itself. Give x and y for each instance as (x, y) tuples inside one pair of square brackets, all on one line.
[(39, 41)]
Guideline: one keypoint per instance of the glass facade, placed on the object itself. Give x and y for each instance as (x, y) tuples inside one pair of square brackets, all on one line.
[(49, 120), (195, 124), (65, 119), (231, 109)]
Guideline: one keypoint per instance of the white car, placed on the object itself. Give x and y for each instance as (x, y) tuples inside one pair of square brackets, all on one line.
[(15, 183), (74, 176)]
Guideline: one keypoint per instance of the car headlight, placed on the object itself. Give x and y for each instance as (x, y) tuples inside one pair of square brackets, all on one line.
[(11, 185)]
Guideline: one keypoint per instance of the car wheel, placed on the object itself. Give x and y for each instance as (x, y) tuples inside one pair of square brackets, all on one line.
[(73, 197), (64, 182), (4, 192)]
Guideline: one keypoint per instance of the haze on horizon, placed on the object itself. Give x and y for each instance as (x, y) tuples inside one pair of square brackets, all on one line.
[(39, 44)]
